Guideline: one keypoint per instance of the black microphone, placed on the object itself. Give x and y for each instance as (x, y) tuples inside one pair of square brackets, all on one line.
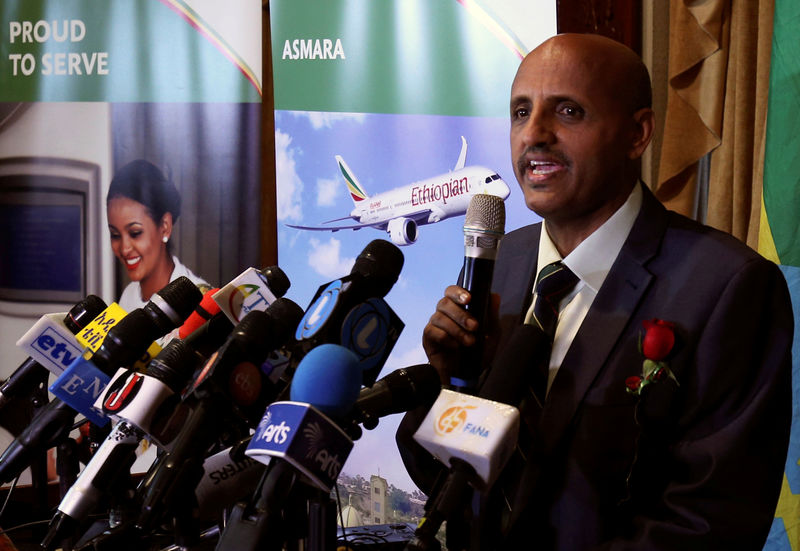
[(505, 383), (400, 391), (31, 374), (228, 388), (484, 226), (351, 311), (125, 343)]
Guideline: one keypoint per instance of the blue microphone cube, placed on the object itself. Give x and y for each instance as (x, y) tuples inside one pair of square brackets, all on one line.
[(300, 434)]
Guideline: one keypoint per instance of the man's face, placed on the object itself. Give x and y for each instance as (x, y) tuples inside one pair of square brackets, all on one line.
[(571, 135)]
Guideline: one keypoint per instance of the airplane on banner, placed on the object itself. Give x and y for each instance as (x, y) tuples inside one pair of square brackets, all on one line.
[(400, 210)]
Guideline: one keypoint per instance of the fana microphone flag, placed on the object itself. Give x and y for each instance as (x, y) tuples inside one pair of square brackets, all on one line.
[(779, 232)]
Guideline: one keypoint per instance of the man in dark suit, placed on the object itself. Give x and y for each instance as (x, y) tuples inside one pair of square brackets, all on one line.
[(684, 451)]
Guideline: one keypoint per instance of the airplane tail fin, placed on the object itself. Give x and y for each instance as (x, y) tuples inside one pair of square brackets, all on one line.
[(462, 157), (356, 191)]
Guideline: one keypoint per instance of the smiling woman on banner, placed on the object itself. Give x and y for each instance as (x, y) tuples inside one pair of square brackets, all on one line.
[(142, 206)]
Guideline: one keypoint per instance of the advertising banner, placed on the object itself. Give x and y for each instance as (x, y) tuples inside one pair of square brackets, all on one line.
[(167, 91), (389, 116)]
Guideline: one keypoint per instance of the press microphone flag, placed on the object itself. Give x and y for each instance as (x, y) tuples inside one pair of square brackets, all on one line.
[(327, 380), (304, 437), (351, 311), (51, 343), (51, 346), (252, 289), (480, 432)]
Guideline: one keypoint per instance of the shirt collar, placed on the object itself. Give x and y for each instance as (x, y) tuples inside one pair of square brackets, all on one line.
[(591, 260)]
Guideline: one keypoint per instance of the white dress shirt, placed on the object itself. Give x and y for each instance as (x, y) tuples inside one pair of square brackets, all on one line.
[(590, 261)]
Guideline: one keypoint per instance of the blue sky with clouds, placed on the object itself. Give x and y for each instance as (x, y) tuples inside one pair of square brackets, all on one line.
[(384, 152)]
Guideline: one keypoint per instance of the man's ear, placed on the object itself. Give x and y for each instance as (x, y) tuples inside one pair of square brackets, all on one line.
[(644, 124)]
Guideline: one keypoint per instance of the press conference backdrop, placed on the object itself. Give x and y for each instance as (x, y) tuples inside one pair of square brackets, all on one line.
[(86, 87), (391, 88)]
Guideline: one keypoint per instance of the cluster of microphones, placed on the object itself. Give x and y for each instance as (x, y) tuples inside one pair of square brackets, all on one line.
[(253, 405)]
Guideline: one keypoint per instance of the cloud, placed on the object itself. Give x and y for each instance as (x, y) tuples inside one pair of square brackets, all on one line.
[(409, 356), (319, 119), (327, 191), (325, 258), (289, 186)]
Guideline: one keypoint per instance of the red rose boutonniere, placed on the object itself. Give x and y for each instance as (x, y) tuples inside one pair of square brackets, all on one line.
[(655, 345)]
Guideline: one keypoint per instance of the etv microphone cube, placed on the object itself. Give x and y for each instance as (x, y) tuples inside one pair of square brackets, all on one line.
[(305, 438), (480, 432), (247, 291), (51, 343)]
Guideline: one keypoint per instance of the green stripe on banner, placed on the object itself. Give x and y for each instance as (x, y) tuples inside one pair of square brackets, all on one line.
[(111, 51), (367, 56), (782, 154)]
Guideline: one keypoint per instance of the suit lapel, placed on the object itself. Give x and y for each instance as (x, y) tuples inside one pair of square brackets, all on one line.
[(608, 316)]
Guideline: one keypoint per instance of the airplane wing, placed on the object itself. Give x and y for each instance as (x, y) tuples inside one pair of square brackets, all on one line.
[(381, 225), (420, 217)]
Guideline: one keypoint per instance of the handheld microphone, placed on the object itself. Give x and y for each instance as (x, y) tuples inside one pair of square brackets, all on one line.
[(228, 388), (484, 226), (83, 381), (51, 346), (475, 452), (351, 311)]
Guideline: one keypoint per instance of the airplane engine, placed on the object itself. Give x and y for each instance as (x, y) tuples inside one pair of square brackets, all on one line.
[(402, 231)]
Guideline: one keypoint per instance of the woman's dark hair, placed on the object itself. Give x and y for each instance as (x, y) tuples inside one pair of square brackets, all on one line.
[(144, 183)]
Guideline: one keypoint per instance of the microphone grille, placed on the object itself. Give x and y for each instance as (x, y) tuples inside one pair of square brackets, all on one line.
[(486, 213), (484, 224)]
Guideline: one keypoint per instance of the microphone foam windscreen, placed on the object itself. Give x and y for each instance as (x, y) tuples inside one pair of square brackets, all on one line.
[(182, 296), (82, 313), (202, 313), (328, 378), (277, 280), (381, 261)]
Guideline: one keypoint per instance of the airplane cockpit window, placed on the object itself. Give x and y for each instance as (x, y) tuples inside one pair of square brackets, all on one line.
[(492, 178)]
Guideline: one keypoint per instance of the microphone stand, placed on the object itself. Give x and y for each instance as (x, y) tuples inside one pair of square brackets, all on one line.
[(281, 513), (38, 465)]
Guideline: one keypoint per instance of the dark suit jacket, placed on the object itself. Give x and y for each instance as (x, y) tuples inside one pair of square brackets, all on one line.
[(697, 465)]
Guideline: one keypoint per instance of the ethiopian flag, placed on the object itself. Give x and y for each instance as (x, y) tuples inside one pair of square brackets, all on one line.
[(779, 231)]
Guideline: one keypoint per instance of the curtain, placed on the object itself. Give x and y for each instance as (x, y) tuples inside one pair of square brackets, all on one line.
[(717, 101)]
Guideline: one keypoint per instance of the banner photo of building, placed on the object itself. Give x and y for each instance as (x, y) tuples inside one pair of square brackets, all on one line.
[(90, 88), (388, 117)]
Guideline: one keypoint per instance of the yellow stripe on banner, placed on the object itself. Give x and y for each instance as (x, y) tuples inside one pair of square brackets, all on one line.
[(195, 21), (788, 511), (766, 244)]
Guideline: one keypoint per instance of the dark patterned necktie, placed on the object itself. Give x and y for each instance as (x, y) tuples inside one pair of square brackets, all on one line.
[(555, 281)]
